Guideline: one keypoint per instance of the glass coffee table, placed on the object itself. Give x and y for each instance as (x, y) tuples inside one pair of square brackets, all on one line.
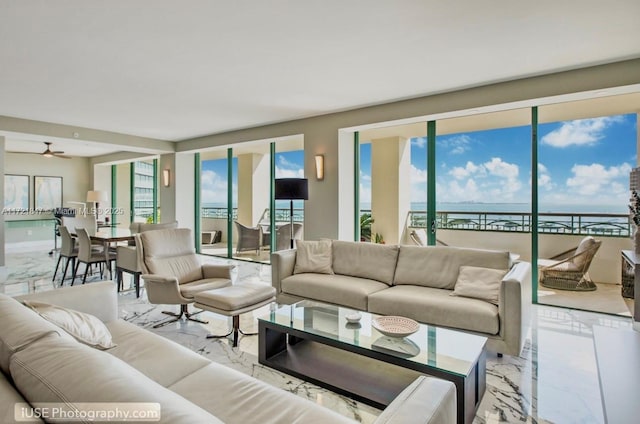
[(313, 341)]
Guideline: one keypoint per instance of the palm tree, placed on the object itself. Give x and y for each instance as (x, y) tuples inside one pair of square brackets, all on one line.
[(365, 226)]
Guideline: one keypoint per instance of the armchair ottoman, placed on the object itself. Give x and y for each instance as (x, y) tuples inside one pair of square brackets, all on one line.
[(233, 301)]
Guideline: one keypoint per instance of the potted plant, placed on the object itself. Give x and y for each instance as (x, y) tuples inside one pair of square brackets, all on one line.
[(365, 226)]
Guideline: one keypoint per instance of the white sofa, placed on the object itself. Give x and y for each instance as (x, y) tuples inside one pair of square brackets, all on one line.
[(41, 363), (415, 282)]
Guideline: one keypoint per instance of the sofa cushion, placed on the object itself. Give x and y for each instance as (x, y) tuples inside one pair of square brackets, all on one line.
[(438, 266), (83, 327), (313, 256), (171, 252), (63, 370), (234, 397), (9, 396), (337, 289), (189, 290), (20, 326), (140, 349), (365, 260), (479, 283), (435, 306)]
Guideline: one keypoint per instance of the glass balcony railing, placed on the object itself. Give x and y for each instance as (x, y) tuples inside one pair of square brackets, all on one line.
[(613, 225), (282, 215)]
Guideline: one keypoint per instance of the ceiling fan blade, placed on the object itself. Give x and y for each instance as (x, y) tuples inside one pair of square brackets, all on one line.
[(58, 152), (62, 156)]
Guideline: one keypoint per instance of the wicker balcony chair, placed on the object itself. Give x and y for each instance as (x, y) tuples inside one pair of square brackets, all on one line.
[(249, 238), (571, 273)]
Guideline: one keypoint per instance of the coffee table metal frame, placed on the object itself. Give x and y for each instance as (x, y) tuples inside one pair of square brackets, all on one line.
[(369, 374)]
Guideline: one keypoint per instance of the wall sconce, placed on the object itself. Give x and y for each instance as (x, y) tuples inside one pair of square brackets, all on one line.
[(319, 167), (166, 177)]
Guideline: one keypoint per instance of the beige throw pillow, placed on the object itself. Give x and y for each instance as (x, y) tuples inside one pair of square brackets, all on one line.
[(479, 283), (313, 256), (83, 327)]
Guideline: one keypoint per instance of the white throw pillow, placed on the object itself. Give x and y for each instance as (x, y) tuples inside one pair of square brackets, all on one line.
[(313, 256), (479, 283), (85, 328)]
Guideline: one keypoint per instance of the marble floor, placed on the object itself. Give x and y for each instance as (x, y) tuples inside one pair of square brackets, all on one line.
[(554, 380)]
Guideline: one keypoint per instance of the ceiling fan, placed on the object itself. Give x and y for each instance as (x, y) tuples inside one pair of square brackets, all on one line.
[(48, 153)]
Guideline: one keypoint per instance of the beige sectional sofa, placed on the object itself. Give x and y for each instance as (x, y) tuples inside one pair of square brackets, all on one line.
[(39, 362), (415, 282)]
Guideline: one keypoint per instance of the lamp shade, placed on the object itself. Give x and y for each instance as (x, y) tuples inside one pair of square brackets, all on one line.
[(291, 189), (97, 196)]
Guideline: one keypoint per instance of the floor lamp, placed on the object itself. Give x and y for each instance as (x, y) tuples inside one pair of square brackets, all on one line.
[(291, 189)]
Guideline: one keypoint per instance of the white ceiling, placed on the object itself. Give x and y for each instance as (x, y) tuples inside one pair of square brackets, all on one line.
[(175, 70)]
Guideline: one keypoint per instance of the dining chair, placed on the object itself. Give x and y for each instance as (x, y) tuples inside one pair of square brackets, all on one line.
[(89, 256), (68, 251)]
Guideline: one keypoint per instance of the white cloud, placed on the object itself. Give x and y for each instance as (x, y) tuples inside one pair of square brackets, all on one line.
[(289, 173), (579, 132), (590, 180), (500, 168), (365, 193), (470, 168), (544, 181), (542, 169), (456, 144), (418, 176), (283, 162), (214, 188), (455, 192), (287, 169), (493, 180), (419, 142)]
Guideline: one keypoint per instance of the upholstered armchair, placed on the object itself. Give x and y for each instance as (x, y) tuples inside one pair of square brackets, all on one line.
[(127, 256), (172, 271)]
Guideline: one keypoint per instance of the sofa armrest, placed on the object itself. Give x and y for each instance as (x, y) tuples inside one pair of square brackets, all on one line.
[(163, 290), (217, 271), (282, 264), (515, 307), (98, 299), (427, 400)]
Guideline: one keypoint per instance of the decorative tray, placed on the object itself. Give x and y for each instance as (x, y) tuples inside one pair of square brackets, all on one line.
[(395, 326)]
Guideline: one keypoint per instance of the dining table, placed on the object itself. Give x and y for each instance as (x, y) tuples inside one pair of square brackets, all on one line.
[(110, 236)]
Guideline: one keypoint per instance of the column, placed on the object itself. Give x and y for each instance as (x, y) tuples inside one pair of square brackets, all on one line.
[(253, 187), (390, 187), (177, 200)]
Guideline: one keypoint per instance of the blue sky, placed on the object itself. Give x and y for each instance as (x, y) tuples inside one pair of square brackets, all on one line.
[(581, 162), (214, 176)]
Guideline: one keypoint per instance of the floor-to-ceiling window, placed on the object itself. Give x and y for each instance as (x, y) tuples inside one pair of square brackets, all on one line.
[(235, 194), (142, 195), (482, 182), (585, 156), (483, 168)]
